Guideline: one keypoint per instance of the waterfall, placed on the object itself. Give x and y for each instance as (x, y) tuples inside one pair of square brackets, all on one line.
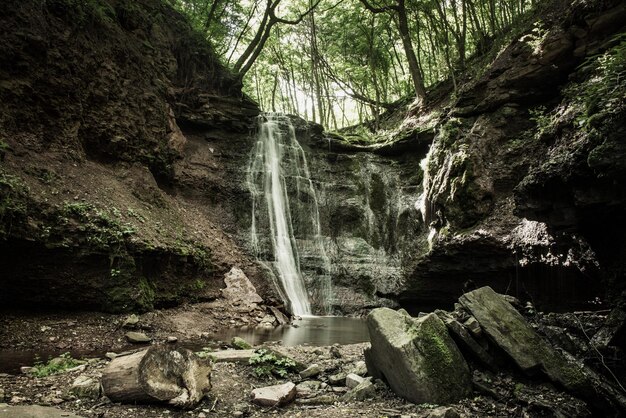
[(424, 205), (278, 169)]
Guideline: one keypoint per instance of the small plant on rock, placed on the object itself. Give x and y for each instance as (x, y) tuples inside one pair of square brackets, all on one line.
[(55, 366), (269, 364)]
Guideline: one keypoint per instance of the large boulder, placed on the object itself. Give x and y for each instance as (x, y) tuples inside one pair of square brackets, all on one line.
[(509, 330), (240, 291), (416, 357)]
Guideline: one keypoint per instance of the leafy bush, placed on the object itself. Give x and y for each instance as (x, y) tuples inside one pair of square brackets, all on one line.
[(54, 366), (602, 94), (268, 364)]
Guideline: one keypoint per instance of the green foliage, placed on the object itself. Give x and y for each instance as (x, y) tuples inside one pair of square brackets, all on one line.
[(536, 37), (55, 366), (147, 294), (82, 13), (13, 198), (102, 231), (267, 364), (602, 94), (339, 61), (544, 120), (240, 344), (206, 353), (4, 147)]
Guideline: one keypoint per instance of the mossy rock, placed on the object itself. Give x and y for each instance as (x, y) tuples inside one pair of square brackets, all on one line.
[(417, 357)]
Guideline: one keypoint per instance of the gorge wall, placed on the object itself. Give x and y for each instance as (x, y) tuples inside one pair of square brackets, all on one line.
[(515, 183), (105, 204), (123, 184)]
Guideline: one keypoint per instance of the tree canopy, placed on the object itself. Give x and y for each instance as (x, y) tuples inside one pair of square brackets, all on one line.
[(339, 62)]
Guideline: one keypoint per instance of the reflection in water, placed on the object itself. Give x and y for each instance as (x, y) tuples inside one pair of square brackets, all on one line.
[(313, 330)]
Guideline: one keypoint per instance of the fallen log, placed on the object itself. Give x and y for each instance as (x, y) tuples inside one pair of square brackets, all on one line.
[(159, 374)]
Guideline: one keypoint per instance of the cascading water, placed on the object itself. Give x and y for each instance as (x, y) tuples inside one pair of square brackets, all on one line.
[(278, 168), (423, 204)]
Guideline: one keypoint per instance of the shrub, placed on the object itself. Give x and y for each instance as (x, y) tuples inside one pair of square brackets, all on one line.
[(268, 364)]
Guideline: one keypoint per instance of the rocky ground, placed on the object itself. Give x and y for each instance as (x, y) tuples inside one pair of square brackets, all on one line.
[(503, 392)]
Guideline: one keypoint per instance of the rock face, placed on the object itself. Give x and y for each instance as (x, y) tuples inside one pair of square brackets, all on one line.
[(154, 126), (110, 202), (416, 357)]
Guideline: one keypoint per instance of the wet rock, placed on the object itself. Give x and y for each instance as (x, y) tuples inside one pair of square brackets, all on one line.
[(443, 412), (311, 371), (337, 379), (364, 390), (137, 337), (417, 357), (280, 317), (34, 411), (131, 321), (353, 380), (240, 344), (85, 387), (268, 321), (277, 395)]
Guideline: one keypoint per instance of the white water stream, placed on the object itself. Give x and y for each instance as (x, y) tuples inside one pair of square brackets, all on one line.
[(278, 165)]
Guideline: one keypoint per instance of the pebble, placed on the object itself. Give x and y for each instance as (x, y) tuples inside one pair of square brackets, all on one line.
[(311, 371), (172, 339), (353, 380), (360, 368), (131, 321), (137, 337), (110, 355)]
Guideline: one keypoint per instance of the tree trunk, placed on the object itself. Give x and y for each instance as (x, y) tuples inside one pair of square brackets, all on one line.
[(414, 69), (158, 374)]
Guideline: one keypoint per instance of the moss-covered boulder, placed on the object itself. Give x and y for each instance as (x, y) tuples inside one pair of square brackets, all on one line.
[(416, 357)]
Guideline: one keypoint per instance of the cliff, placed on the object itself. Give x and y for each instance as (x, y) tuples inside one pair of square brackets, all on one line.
[(105, 204)]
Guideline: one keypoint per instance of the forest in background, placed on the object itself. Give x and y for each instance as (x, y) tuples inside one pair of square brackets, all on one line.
[(341, 62)]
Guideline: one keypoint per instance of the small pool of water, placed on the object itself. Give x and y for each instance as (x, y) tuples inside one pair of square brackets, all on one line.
[(313, 330)]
